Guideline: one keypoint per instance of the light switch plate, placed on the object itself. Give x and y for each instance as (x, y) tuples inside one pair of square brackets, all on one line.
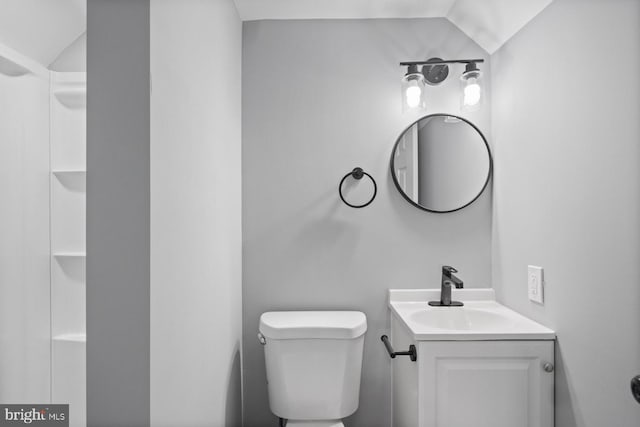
[(535, 284)]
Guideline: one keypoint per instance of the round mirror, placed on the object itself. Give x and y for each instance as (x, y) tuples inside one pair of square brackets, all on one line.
[(441, 163)]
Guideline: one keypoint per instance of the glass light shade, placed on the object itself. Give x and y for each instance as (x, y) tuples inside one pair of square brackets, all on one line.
[(472, 90), (413, 92)]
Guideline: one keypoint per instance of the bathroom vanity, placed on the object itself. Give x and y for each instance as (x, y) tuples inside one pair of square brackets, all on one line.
[(480, 365)]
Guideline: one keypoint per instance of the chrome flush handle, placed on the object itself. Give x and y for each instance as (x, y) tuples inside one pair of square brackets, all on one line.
[(635, 388), (262, 339)]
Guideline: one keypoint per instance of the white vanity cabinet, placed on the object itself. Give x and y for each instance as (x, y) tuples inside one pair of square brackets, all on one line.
[(473, 383), (468, 381)]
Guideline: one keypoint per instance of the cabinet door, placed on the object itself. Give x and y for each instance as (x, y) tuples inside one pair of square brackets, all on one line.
[(486, 384), (404, 377)]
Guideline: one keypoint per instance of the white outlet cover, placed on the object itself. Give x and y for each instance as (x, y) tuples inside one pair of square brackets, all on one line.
[(535, 284)]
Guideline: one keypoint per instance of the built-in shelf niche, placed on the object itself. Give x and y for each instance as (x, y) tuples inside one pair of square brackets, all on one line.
[(68, 375), (68, 214), (68, 123), (68, 242)]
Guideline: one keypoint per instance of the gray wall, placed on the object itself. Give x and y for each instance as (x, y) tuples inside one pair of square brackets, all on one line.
[(567, 196), (118, 213), (319, 98), (196, 285)]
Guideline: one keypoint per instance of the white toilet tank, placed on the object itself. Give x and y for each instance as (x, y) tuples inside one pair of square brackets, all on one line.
[(313, 360)]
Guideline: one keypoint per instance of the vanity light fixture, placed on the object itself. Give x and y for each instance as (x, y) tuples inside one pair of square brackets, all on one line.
[(433, 72)]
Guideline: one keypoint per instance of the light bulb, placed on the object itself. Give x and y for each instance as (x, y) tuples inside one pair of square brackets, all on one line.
[(472, 93), (413, 90), (413, 96)]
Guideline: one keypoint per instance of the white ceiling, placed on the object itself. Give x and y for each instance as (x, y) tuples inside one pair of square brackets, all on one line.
[(341, 9), (41, 29), (490, 23)]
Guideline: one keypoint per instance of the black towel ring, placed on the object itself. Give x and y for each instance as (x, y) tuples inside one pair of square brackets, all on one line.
[(358, 173)]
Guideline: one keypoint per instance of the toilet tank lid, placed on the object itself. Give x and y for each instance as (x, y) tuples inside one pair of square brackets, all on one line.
[(313, 324)]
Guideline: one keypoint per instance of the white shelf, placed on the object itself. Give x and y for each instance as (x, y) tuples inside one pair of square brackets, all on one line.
[(72, 97), (80, 338), (11, 69), (68, 172), (70, 255)]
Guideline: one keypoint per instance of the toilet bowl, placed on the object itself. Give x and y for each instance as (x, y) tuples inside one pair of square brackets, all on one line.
[(313, 361)]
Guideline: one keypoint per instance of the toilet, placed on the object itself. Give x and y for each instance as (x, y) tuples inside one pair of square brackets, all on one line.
[(313, 361)]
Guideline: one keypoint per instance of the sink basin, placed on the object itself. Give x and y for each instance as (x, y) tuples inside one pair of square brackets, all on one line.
[(459, 318), (481, 317)]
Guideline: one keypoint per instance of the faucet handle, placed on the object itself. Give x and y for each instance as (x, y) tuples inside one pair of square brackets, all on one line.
[(447, 270)]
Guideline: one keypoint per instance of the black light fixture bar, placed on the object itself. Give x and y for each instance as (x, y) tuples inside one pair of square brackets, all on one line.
[(442, 62)]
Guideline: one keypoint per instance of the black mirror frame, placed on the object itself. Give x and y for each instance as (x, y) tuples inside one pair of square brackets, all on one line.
[(397, 184)]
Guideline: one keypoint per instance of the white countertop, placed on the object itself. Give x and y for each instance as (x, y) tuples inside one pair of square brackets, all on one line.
[(480, 319)]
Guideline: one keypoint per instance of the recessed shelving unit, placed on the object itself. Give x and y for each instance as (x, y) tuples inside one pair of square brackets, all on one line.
[(68, 242)]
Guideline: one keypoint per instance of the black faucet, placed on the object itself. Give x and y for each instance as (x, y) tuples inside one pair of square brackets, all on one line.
[(448, 280)]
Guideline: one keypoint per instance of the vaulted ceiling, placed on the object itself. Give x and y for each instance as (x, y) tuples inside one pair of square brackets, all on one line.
[(490, 23), (41, 29)]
